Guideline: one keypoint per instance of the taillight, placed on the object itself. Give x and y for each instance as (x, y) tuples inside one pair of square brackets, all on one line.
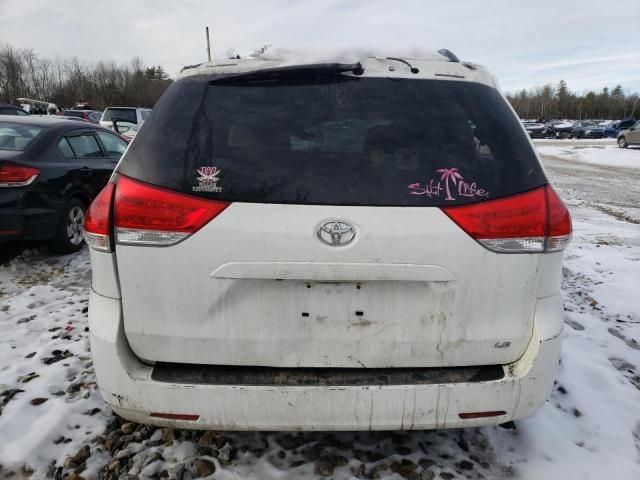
[(531, 222), (558, 222), (14, 175), (150, 215), (97, 224)]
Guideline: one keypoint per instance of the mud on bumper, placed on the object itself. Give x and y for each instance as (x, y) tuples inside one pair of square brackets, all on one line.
[(134, 392)]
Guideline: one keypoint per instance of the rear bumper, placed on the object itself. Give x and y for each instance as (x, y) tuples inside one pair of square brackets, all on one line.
[(563, 133), (540, 134), (27, 223), (127, 385)]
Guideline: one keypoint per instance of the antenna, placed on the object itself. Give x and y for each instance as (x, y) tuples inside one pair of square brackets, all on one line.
[(208, 44)]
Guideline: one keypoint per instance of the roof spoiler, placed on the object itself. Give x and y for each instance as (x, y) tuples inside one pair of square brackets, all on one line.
[(289, 71)]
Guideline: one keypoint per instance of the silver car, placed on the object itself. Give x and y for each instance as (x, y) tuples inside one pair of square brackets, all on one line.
[(630, 136)]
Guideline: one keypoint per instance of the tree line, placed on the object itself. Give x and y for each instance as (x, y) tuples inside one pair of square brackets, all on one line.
[(64, 81), (559, 102)]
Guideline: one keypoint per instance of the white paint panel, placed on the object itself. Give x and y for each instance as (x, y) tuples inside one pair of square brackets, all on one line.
[(175, 311), (126, 384)]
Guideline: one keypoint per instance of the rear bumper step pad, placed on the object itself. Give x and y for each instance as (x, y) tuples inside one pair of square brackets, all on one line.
[(292, 377)]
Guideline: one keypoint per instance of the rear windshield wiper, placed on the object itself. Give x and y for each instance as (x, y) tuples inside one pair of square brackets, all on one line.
[(289, 72)]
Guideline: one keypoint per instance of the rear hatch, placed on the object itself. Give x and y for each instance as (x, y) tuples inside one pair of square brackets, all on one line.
[(324, 224), (123, 114)]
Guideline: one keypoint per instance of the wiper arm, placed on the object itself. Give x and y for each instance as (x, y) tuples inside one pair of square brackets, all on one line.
[(292, 71)]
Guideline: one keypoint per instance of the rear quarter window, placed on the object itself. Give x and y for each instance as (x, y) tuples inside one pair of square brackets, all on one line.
[(85, 146), (114, 146), (336, 140), (65, 148)]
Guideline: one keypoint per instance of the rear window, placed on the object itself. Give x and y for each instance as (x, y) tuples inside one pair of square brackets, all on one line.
[(125, 114), (12, 111), (336, 140), (16, 136)]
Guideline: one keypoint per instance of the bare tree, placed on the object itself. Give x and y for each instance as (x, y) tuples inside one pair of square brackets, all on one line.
[(64, 81)]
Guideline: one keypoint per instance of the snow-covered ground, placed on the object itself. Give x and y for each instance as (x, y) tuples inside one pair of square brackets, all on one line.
[(53, 422), (603, 152)]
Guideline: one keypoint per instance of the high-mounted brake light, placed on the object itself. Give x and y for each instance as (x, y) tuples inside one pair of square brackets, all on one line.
[(150, 215), (97, 225), (531, 222), (14, 175)]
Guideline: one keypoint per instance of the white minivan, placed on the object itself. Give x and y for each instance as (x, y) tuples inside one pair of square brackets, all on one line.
[(328, 246)]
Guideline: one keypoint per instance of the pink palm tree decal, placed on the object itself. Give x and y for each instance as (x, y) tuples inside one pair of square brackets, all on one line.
[(449, 174)]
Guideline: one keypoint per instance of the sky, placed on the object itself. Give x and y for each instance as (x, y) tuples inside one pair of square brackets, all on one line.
[(588, 43)]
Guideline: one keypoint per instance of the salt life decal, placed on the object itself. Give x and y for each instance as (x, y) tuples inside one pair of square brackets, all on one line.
[(451, 185), (208, 180)]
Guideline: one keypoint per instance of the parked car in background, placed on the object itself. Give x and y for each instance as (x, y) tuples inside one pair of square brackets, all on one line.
[(536, 130), (50, 170), (131, 132), (6, 109), (626, 123), (564, 129), (629, 136), (327, 249), (82, 105), (587, 130), (126, 114), (76, 119), (609, 129), (122, 127), (612, 129), (91, 116), (37, 107)]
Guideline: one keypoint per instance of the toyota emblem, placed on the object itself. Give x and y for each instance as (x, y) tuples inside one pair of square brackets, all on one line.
[(336, 233)]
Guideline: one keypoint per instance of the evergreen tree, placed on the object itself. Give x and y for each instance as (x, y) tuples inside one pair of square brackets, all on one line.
[(563, 94), (563, 90)]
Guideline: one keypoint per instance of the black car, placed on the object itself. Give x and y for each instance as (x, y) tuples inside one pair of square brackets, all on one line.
[(564, 129), (536, 130), (6, 109), (626, 123), (50, 171)]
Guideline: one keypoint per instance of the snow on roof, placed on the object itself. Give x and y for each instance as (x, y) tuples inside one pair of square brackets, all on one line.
[(376, 64)]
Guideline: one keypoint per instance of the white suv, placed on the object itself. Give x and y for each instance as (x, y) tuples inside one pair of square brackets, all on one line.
[(328, 247), (126, 115)]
